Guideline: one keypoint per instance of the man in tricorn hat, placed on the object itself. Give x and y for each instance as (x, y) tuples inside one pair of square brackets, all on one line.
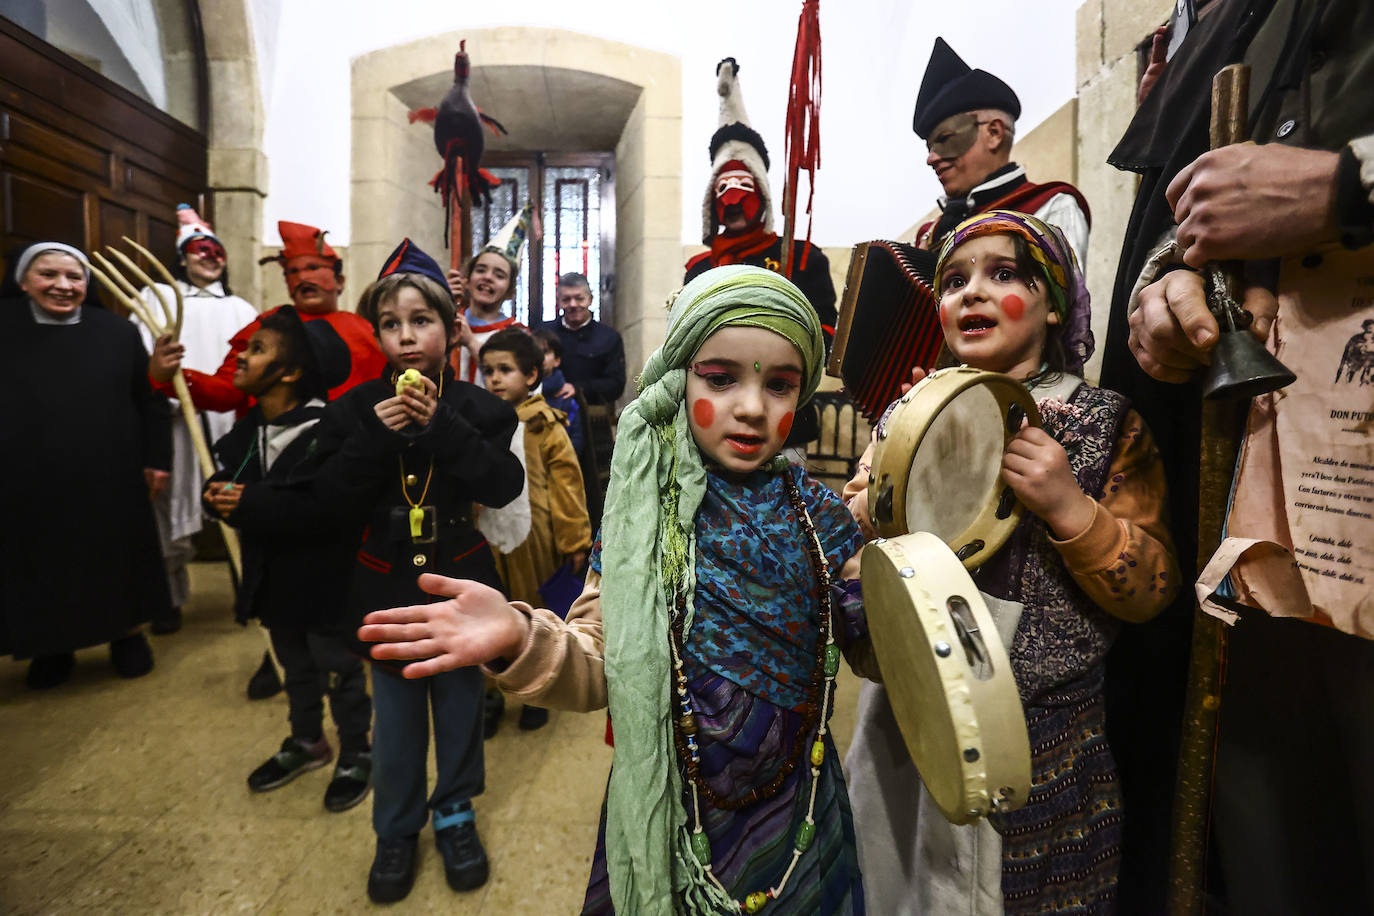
[(968, 119)]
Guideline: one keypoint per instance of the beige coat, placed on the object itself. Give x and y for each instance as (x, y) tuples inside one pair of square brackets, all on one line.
[(559, 525)]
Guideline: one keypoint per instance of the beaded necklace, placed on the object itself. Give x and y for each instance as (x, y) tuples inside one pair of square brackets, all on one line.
[(822, 688)]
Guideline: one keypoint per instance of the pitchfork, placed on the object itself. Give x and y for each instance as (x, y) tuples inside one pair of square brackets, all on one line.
[(114, 280)]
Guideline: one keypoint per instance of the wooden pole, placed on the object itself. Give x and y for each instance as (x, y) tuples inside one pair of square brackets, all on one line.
[(1202, 705)]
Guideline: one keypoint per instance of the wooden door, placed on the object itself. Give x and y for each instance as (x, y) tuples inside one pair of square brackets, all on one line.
[(85, 161)]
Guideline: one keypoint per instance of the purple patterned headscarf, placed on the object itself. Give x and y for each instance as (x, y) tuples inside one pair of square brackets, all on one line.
[(1068, 294)]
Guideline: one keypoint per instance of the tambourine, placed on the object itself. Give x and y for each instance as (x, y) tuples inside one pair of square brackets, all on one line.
[(937, 463), (947, 675)]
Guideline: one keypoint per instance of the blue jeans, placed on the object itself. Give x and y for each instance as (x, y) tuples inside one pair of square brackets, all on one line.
[(400, 742)]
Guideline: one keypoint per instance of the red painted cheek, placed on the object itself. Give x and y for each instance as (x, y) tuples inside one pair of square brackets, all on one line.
[(785, 424), (1013, 306), (944, 313), (703, 412)]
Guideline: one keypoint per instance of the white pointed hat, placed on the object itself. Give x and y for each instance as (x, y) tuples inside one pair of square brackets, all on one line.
[(510, 241), (734, 140), (190, 226)]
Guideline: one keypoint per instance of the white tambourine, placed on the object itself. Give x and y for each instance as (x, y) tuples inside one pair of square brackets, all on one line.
[(947, 675), (937, 462)]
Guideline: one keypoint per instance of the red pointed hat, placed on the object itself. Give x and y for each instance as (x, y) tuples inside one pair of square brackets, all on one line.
[(299, 240)]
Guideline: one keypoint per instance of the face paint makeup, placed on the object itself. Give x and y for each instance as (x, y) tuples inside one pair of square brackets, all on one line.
[(1013, 306), (785, 424), (954, 136), (704, 412)]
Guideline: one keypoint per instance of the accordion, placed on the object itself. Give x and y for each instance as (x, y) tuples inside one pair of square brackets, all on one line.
[(889, 323)]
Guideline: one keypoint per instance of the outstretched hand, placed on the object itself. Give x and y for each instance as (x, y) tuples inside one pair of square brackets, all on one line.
[(472, 627)]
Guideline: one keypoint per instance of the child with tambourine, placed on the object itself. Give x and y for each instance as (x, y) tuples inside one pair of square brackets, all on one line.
[(1092, 552), (709, 622)]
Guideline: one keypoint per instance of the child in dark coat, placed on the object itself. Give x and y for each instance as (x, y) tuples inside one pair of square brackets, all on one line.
[(288, 367), (403, 458)]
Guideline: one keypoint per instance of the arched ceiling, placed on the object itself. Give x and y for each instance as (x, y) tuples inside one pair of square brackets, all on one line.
[(550, 109)]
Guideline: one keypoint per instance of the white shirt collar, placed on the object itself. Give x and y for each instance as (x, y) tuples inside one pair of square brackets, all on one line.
[(189, 290), (1013, 175)]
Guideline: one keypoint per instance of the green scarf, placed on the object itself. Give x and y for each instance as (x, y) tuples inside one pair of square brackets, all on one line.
[(648, 553)]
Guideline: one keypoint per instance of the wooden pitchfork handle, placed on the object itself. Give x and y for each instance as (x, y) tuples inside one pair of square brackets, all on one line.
[(114, 280)]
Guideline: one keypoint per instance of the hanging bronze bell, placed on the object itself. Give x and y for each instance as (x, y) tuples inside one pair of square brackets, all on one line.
[(1242, 368)]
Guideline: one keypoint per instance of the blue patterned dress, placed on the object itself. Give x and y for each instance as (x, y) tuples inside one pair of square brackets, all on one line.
[(749, 658)]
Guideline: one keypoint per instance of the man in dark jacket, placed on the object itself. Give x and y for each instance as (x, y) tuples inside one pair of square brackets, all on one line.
[(1296, 207), (593, 353)]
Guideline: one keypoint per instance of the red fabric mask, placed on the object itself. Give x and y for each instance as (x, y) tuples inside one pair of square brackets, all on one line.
[(205, 248), (735, 186), (310, 268)]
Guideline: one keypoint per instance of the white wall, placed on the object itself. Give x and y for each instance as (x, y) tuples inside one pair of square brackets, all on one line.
[(874, 181)]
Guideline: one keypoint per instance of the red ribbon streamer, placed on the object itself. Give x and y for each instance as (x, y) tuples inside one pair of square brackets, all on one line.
[(802, 137)]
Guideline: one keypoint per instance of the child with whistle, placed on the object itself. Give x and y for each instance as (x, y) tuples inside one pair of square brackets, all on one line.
[(401, 461)]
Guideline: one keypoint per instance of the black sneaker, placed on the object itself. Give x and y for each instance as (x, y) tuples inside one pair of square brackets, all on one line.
[(393, 869), (533, 717), (49, 670), (265, 682), (493, 708), (294, 758), (455, 835), (131, 655), (352, 780), (167, 623)]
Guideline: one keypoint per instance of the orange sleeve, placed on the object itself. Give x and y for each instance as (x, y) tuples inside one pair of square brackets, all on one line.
[(1125, 559)]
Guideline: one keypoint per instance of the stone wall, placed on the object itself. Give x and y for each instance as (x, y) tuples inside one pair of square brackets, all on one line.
[(1108, 71), (393, 160), (237, 164)]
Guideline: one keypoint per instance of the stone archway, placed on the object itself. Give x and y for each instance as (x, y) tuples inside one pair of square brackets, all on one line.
[(554, 90)]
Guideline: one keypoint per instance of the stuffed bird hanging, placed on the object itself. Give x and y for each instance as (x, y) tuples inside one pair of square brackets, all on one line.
[(458, 138)]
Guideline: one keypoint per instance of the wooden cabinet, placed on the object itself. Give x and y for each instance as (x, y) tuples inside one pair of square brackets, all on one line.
[(85, 161)]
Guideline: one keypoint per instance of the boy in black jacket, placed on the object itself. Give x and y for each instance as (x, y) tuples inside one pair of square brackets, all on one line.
[(288, 366), (402, 460)]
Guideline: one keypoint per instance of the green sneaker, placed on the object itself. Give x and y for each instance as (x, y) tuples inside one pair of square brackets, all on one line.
[(294, 758)]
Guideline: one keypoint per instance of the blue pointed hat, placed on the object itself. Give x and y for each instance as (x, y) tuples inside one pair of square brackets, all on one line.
[(409, 259)]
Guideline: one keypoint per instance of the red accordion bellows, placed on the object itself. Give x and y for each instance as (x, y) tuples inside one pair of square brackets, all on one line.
[(889, 323)]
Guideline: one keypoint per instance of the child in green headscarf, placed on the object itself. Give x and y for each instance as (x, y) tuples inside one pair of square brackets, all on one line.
[(723, 579)]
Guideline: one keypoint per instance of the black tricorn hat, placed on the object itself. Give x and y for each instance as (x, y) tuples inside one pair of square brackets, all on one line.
[(326, 356), (951, 87)]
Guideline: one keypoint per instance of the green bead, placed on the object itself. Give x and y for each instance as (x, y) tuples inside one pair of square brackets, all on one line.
[(805, 834), (701, 848), (832, 660), (755, 901), (817, 754)]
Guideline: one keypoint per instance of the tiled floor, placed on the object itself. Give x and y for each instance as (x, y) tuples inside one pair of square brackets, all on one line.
[(128, 796)]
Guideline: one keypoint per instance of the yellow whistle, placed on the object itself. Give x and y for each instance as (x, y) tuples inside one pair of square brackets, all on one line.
[(411, 378), (417, 521)]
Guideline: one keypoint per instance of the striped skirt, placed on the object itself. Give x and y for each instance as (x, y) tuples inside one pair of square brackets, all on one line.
[(744, 740)]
